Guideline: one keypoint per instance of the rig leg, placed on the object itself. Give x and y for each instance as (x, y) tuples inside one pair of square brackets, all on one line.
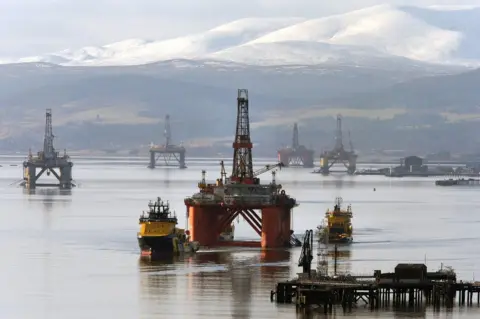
[(284, 158), (324, 165), (352, 165), (152, 160), (30, 177), (275, 227), (203, 225), (182, 160), (307, 160), (66, 177)]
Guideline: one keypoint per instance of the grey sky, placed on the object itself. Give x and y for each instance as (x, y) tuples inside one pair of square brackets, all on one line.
[(30, 27)]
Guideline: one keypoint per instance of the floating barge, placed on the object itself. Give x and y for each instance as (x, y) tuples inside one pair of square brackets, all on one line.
[(458, 182), (408, 285)]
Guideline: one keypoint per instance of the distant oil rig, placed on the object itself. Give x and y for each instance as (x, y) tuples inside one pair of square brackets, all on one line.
[(216, 205), (168, 154), (338, 154), (296, 155), (48, 161)]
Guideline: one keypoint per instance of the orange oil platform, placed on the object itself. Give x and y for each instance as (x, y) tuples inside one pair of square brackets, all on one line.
[(215, 206)]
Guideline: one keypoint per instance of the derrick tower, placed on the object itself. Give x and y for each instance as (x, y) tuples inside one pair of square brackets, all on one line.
[(216, 205), (167, 133), (295, 142), (296, 154), (48, 149), (338, 154), (167, 154), (48, 160), (242, 170)]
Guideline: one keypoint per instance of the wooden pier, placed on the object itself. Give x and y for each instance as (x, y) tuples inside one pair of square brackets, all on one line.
[(409, 286)]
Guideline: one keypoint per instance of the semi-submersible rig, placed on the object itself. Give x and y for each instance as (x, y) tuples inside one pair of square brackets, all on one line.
[(338, 154), (216, 205), (48, 160)]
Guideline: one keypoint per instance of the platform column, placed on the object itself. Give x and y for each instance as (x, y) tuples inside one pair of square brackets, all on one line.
[(307, 160), (352, 165), (66, 176), (284, 158), (152, 160), (182, 160), (275, 227), (30, 177), (202, 224), (324, 164)]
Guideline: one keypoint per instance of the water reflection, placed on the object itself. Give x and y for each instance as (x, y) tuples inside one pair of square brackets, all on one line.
[(413, 312), (340, 259), (146, 262), (228, 278), (166, 179), (339, 181), (49, 196), (274, 263)]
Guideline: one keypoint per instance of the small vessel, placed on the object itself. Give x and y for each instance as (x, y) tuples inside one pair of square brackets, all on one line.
[(338, 223), (158, 232), (228, 233)]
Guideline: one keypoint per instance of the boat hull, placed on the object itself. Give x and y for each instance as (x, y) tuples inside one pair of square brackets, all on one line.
[(156, 244), (164, 245), (344, 240)]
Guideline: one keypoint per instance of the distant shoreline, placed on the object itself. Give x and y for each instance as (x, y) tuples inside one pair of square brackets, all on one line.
[(86, 155)]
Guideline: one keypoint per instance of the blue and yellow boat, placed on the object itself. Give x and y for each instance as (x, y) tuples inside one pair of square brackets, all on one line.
[(158, 233)]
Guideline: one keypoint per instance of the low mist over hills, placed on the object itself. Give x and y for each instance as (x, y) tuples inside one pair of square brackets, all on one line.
[(403, 77)]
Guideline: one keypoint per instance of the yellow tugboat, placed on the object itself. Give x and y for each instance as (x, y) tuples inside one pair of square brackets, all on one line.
[(158, 232), (338, 223)]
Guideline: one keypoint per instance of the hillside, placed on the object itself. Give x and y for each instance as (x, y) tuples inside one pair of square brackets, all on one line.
[(432, 35), (124, 106), (140, 51), (457, 93), (400, 75)]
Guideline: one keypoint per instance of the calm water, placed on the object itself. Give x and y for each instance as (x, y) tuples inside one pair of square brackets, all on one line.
[(75, 255)]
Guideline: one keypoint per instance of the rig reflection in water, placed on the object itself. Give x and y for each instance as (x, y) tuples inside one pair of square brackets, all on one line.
[(235, 279), (49, 196)]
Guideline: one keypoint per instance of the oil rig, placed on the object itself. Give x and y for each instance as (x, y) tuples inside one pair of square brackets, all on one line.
[(169, 154), (48, 160), (338, 154), (296, 155), (216, 205)]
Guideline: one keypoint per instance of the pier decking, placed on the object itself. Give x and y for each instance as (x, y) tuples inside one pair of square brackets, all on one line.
[(410, 285)]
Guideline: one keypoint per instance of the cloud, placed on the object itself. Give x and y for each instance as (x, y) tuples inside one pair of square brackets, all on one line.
[(29, 27)]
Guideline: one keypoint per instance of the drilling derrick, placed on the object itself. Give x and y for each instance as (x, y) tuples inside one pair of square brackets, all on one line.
[(242, 170), (167, 154), (296, 155), (215, 206), (338, 154), (48, 160)]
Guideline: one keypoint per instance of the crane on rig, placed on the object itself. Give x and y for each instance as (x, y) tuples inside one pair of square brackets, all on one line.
[(265, 169)]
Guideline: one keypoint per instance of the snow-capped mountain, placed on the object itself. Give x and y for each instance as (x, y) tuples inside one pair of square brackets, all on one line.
[(445, 35), (138, 51)]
